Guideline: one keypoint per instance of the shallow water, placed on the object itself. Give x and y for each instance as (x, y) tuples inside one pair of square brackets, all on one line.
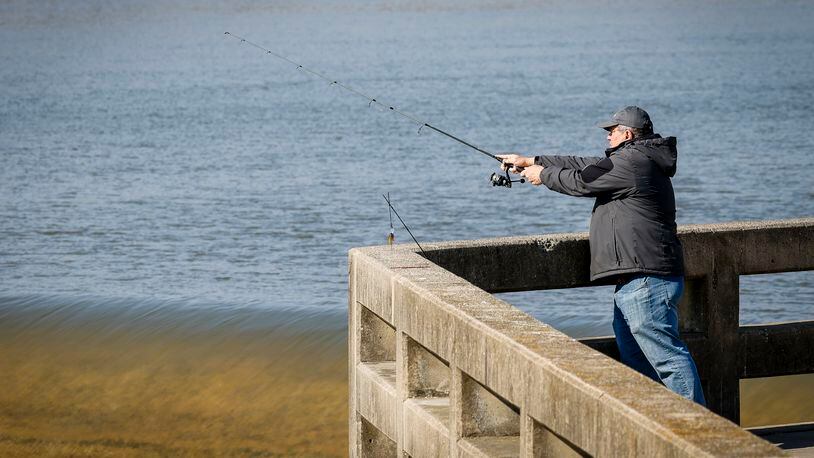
[(177, 208), (156, 379)]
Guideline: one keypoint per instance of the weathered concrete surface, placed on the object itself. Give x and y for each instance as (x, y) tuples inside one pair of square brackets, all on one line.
[(774, 349), (378, 338), (584, 399), (556, 261), (354, 341), (484, 414), (539, 441), (374, 444), (377, 397), (427, 375), (496, 447), (427, 433)]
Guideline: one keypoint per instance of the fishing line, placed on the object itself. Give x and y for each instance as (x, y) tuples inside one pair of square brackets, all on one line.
[(371, 100), (389, 204)]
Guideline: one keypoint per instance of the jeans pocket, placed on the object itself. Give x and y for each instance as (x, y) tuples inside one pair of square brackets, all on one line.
[(638, 283)]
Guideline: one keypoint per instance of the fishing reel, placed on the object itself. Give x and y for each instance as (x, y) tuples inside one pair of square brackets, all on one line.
[(504, 180)]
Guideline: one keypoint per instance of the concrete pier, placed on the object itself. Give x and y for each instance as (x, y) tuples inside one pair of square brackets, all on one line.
[(438, 366)]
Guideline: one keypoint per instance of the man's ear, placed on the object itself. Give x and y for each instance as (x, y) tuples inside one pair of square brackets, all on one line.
[(628, 135)]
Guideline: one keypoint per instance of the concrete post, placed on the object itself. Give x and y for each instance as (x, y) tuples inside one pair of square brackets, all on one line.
[(721, 296), (526, 434)]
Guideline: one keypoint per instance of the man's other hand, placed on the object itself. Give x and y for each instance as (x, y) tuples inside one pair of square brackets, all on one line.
[(532, 174)]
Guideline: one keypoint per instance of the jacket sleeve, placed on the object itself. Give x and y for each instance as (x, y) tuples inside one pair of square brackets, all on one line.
[(567, 162), (610, 175)]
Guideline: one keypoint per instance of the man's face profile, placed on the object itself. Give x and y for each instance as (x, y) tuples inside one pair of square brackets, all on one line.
[(617, 136)]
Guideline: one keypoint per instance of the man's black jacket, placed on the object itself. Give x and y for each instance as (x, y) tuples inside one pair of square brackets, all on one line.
[(633, 228)]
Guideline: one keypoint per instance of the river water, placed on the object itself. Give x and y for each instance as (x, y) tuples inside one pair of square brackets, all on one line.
[(177, 207)]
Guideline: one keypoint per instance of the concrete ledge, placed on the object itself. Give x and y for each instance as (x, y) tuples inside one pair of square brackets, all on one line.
[(563, 260), (377, 399), (755, 247), (374, 288)]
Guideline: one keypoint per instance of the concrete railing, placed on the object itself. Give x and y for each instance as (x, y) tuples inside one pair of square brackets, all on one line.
[(438, 366)]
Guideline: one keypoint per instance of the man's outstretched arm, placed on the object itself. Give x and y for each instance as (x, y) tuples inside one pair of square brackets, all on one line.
[(567, 162), (609, 175)]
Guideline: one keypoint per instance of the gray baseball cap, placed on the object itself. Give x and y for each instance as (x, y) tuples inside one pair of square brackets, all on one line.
[(630, 116)]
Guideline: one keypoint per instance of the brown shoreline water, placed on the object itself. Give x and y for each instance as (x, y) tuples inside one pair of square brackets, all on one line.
[(167, 385), (112, 389)]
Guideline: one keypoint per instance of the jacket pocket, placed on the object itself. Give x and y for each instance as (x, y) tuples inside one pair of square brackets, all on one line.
[(615, 246)]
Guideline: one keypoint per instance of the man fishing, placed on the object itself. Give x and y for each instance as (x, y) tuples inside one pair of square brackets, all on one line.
[(633, 240)]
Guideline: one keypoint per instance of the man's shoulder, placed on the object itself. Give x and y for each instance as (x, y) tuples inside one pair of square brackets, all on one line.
[(646, 146), (653, 153), (652, 142)]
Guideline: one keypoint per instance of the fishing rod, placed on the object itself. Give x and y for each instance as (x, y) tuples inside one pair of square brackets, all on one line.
[(391, 236), (495, 179), (393, 209)]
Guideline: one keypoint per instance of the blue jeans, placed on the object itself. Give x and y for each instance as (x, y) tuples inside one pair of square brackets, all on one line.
[(645, 320)]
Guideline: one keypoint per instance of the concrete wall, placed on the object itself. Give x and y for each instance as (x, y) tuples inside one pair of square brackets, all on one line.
[(438, 366)]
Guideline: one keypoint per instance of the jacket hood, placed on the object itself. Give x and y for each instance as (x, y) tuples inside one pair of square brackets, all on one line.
[(661, 150)]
